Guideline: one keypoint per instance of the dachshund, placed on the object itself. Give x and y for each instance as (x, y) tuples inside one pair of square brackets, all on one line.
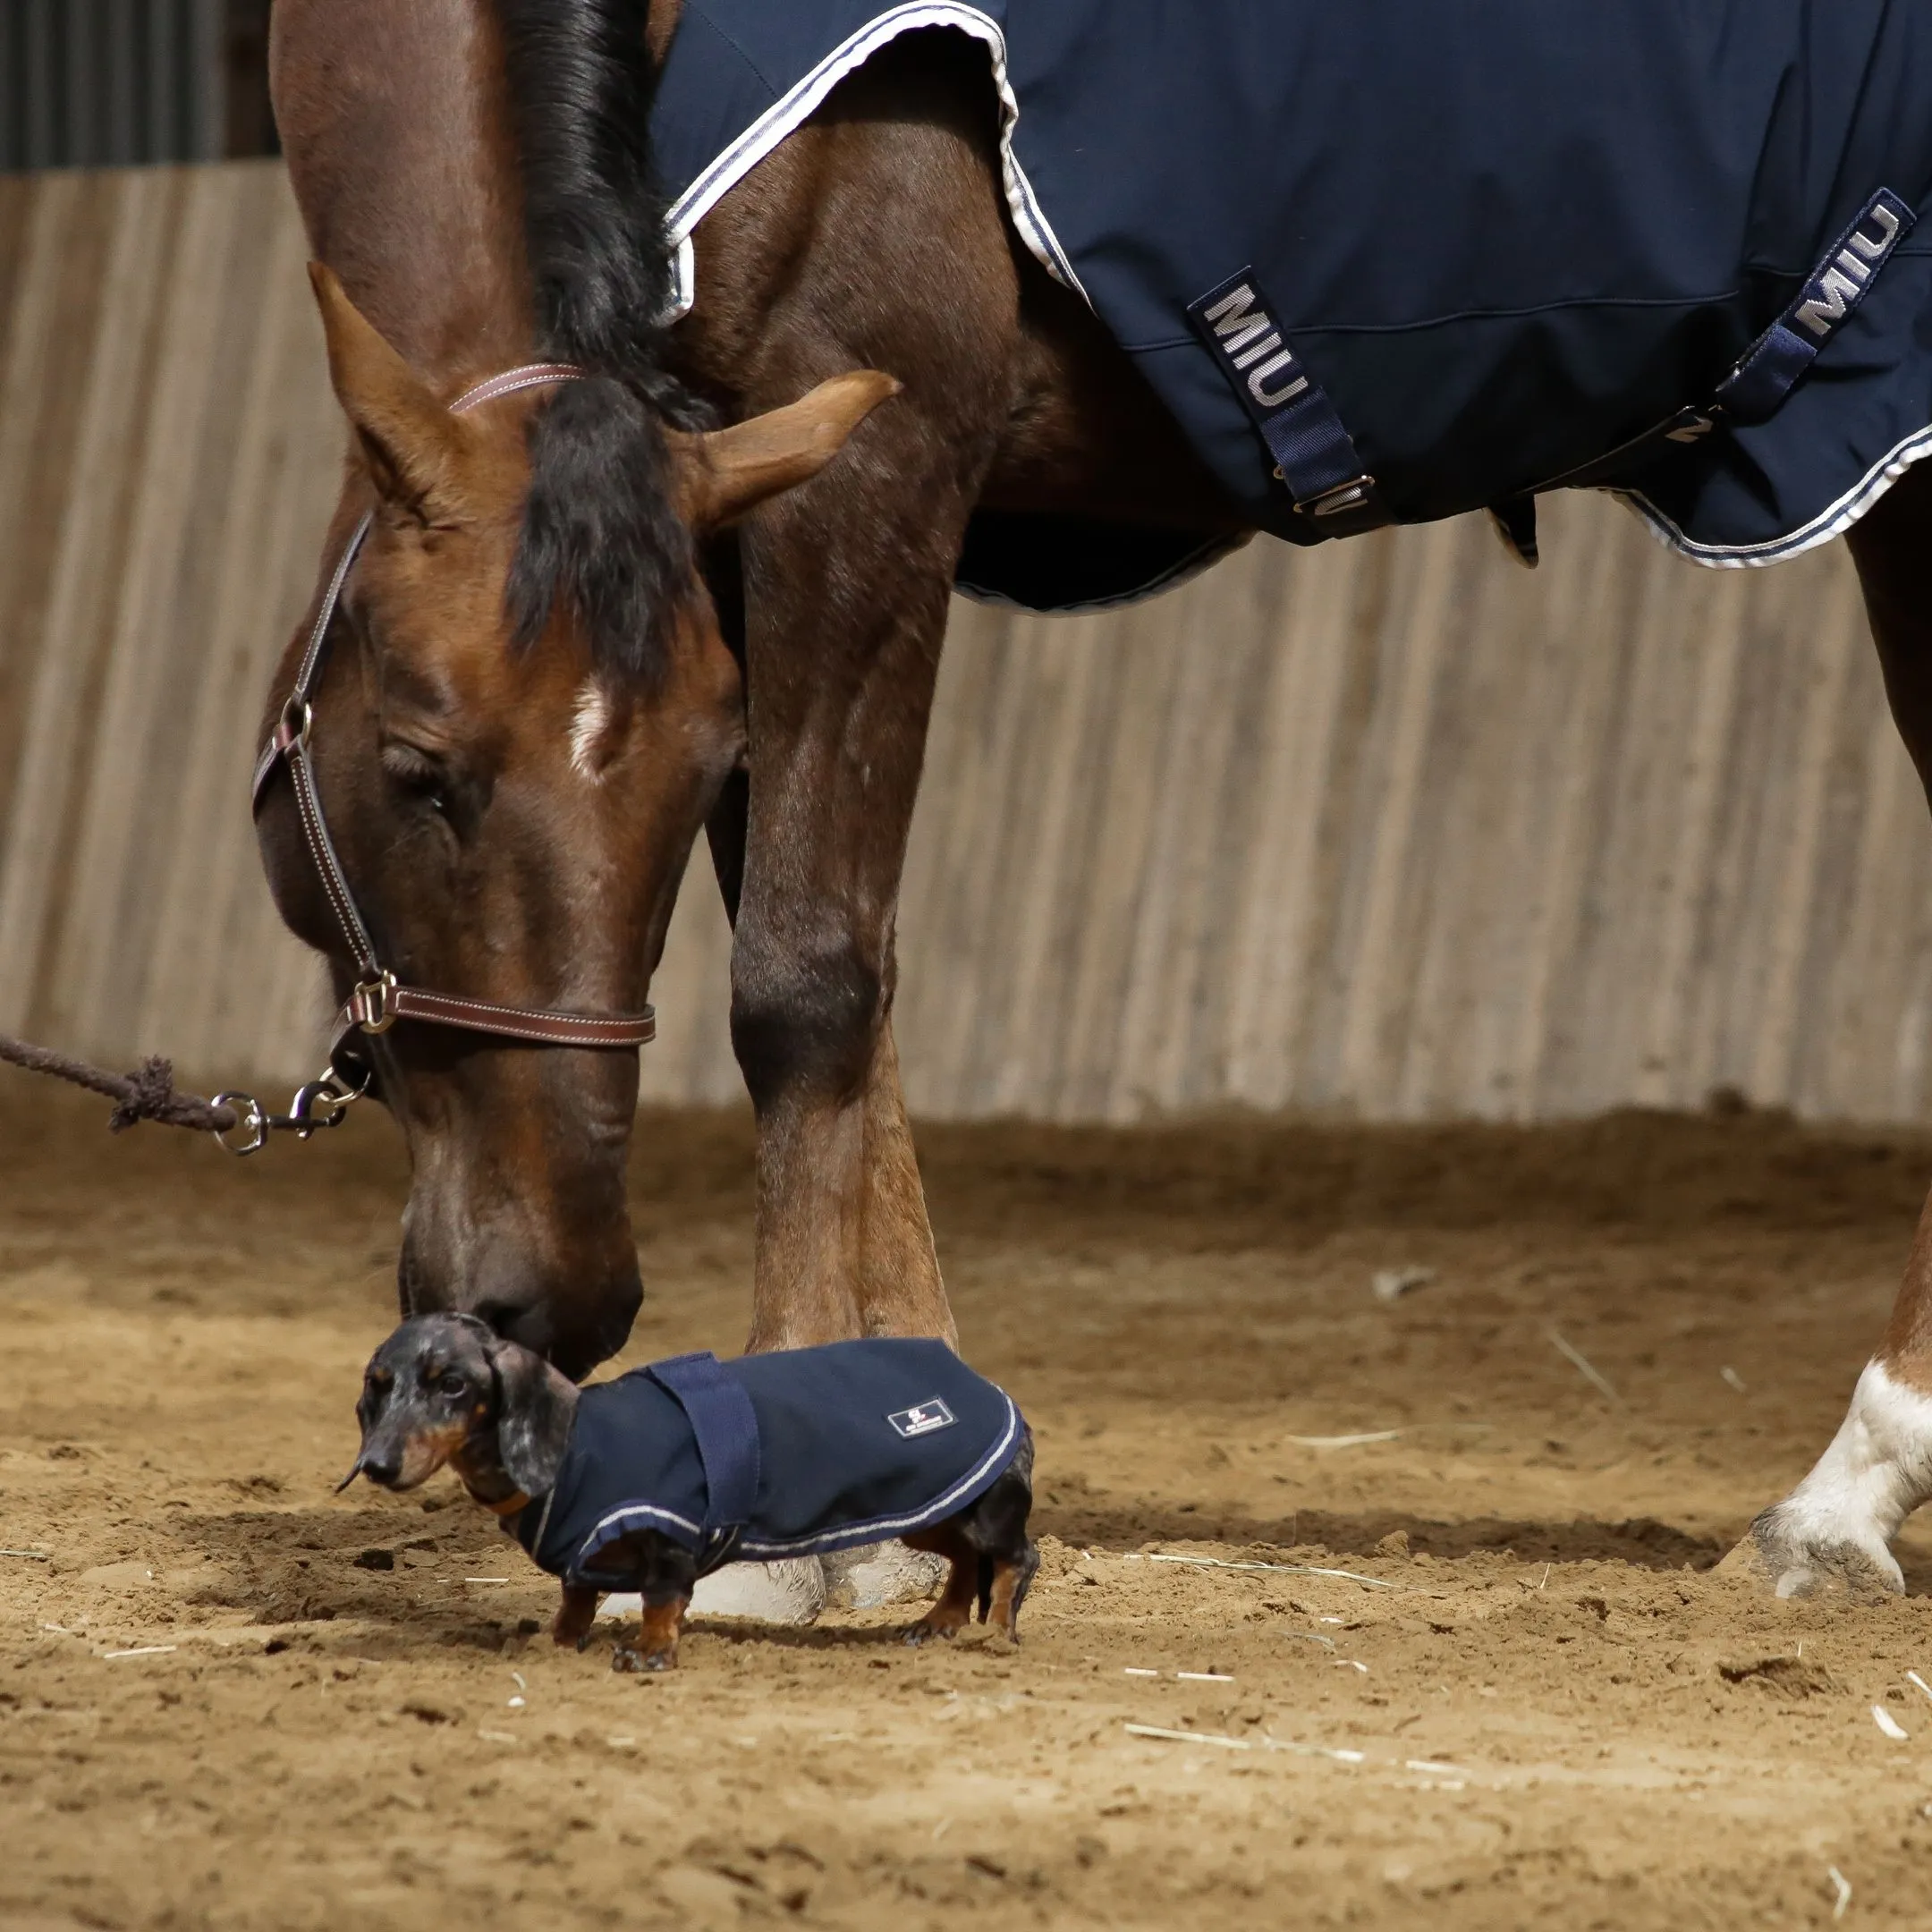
[(649, 1481)]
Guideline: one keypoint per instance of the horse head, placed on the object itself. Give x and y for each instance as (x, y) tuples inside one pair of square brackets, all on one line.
[(527, 712)]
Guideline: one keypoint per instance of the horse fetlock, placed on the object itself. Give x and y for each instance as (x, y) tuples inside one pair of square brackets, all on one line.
[(1835, 1530)]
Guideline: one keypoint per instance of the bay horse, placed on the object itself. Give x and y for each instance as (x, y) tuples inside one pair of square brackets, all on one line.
[(697, 579)]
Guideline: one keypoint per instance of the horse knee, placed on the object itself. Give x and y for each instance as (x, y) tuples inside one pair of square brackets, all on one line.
[(804, 1020)]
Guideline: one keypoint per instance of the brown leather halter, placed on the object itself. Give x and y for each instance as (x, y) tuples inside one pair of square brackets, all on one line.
[(379, 999)]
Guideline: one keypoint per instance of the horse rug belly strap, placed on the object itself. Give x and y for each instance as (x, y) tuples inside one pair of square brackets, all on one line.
[(792, 1454), (1395, 260)]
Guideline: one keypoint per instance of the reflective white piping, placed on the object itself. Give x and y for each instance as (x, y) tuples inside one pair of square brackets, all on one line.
[(1833, 520), (591, 1544), (785, 116), (879, 1528)]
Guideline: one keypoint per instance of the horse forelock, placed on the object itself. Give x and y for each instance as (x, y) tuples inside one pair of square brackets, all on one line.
[(601, 535)]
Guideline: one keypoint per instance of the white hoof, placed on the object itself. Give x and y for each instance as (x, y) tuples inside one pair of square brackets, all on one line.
[(882, 1573), (789, 1592), (1834, 1529)]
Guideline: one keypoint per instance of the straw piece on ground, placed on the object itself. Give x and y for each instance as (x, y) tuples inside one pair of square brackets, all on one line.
[(1189, 1737), (1344, 1442), (29, 1556), (145, 1649), (1286, 1569), (1584, 1367), (1912, 1677), (1889, 1724), (1843, 1886), (1392, 1283), (1337, 1753)]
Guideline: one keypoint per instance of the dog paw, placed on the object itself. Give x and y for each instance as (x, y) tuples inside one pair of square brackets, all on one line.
[(928, 1630), (625, 1657)]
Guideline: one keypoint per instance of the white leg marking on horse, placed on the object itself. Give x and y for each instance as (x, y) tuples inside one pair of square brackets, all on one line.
[(588, 724), (1876, 1471), (790, 1592)]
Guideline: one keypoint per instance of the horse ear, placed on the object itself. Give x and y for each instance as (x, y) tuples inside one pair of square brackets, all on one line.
[(413, 445), (729, 472)]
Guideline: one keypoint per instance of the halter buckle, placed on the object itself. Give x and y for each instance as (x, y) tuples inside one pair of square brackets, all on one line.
[(292, 728), (373, 1003)]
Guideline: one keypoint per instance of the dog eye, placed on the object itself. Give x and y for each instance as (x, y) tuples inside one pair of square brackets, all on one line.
[(453, 1383)]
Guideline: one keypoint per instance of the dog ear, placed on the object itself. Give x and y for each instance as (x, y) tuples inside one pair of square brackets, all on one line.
[(535, 1407)]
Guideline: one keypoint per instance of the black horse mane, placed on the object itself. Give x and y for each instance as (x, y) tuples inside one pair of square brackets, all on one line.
[(601, 535)]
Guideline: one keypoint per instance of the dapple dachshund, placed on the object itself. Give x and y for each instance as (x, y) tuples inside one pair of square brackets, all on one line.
[(648, 1482)]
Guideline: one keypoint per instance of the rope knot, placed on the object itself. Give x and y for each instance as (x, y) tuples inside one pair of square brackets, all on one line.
[(151, 1095)]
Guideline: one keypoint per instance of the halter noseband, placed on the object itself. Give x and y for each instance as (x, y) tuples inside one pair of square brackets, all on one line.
[(379, 999)]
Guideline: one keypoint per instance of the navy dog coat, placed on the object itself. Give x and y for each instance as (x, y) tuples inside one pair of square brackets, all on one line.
[(793, 1453), (1493, 242)]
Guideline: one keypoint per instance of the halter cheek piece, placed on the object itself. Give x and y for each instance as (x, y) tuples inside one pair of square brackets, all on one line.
[(379, 999)]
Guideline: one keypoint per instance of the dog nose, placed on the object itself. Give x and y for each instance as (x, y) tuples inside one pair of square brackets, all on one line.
[(385, 1473)]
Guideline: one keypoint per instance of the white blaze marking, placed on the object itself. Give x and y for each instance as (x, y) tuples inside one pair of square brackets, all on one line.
[(1876, 1471), (588, 725)]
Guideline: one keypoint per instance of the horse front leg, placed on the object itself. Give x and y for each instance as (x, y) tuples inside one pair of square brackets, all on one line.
[(847, 609), (1838, 1523), (897, 1285)]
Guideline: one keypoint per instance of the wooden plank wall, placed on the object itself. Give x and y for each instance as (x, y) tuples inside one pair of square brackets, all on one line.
[(1394, 829)]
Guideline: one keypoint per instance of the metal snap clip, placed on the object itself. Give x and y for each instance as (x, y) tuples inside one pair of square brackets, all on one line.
[(254, 1121)]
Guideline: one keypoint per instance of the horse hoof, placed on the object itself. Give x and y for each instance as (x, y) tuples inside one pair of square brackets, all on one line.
[(1782, 1557), (882, 1573), (925, 1632), (625, 1658)]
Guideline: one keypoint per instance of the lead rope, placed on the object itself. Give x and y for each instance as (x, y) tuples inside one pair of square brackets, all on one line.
[(148, 1093)]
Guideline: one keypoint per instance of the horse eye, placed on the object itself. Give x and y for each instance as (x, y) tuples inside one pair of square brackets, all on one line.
[(417, 777)]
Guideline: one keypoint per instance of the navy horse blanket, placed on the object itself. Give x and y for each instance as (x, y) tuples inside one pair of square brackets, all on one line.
[(792, 1454), (1502, 245)]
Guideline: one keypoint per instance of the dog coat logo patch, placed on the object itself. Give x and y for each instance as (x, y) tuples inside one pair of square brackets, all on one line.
[(923, 1418)]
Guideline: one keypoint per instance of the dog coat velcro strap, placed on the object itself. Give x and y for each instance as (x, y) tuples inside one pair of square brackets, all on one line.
[(1314, 454), (1777, 361), (725, 1428)]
